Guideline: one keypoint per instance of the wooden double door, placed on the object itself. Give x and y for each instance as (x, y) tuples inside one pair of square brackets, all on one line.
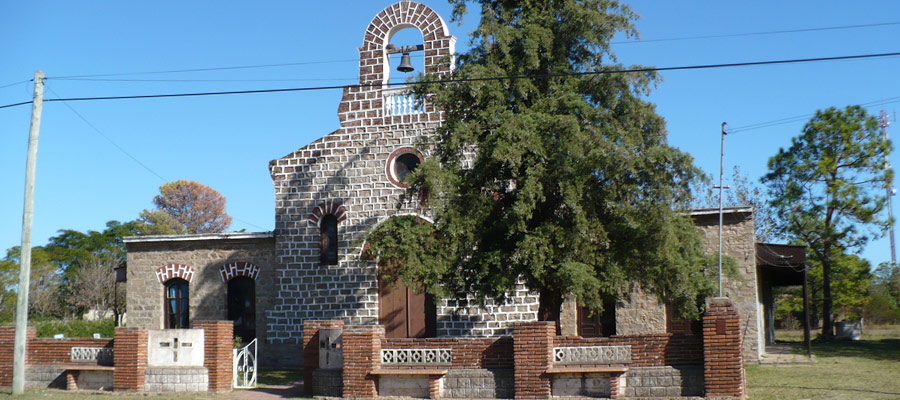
[(405, 313)]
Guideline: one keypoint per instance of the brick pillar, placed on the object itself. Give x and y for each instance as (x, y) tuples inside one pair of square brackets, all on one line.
[(129, 359), (723, 362), (362, 354), (532, 348), (218, 355), (311, 348), (7, 347)]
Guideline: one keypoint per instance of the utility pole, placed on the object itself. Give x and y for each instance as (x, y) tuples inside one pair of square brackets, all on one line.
[(888, 186), (25, 256), (721, 188)]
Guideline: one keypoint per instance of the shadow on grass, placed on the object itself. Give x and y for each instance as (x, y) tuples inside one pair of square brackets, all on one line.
[(884, 349), (824, 389)]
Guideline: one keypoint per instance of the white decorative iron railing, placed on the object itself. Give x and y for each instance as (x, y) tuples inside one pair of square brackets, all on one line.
[(245, 366), (400, 101), (416, 356), (96, 354), (592, 355)]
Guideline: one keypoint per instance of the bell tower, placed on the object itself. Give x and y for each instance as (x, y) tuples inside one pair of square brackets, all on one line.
[(373, 101)]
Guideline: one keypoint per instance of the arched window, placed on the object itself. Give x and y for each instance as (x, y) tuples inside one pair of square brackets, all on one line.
[(328, 240), (177, 304)]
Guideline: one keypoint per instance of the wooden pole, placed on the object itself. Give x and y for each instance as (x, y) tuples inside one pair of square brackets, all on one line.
[(806, 339), (27, 219)]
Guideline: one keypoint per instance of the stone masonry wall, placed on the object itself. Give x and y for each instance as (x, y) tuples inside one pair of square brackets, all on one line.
[(207, 288), (738, 242), (350, 167)]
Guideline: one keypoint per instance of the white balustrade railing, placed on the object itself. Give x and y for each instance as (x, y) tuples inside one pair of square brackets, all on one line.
[(401, 101), (416, 357), (95, 354), (592, 355)]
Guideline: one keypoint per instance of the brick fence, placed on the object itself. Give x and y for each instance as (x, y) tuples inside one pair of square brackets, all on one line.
[(218, 353), (723, 363), (529, 353), (130, 359)]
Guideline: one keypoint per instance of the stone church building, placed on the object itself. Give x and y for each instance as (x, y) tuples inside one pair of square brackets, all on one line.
[(328, 195)]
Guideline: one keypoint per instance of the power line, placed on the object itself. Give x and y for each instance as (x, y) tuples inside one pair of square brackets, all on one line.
[(202, 69), (796, 118), (482, 79), (16, 104), (16, 83), (828, 28), (133, 158), (206, 80), (116, 145), (419, 55)]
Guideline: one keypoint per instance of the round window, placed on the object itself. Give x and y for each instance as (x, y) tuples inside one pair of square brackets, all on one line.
[(401, 162)]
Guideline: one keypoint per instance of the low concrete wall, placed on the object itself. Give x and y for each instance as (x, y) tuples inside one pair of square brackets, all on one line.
[(176, 379)]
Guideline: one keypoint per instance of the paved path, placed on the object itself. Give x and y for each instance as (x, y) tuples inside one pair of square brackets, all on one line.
[(271, 392)]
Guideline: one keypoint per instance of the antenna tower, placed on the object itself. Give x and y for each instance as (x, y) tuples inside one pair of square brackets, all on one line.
[(883, 118)]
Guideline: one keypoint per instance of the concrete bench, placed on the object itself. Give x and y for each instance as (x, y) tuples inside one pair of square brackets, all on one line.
[(72, 371), (433, 375), (616, 384)]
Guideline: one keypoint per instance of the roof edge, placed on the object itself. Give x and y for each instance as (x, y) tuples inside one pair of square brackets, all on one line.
[(198, 236), (725, 210)]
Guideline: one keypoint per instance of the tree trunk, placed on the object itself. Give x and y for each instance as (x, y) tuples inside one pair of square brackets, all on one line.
[(550, 304), (827, 301)]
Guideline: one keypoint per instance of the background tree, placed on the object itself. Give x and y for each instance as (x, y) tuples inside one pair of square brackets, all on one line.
[(827, 189), (43, 297), (186, 207), (741, 192), (562, 181)]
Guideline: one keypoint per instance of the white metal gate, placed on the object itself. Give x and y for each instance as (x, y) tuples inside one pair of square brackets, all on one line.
[(245, 366)]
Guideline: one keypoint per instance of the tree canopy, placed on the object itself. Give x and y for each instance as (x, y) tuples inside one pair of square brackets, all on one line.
[(558, 175), (827, 190), (185, 207)]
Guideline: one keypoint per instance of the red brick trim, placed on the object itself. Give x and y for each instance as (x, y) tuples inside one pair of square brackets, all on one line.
[(169, 271), (217, 353), (130, 359), (389, 166), (236, 269), (723, 361), (327, 207)]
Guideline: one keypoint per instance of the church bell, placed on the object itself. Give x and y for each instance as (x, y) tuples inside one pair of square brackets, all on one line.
[(405, 66)]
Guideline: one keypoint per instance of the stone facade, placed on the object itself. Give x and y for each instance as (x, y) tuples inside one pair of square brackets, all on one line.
[(209, 260), (350, 167), (641, 313), (739, 243)]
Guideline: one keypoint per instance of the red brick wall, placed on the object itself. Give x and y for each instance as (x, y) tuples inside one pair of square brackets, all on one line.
[(56, 351), (7, 347), (130, 347), (311, 347), (532, 348), (468, 353), (647, 350), (218, 353), (723, 363), (362, 354)]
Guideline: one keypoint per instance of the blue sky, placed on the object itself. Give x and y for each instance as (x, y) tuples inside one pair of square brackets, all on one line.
[(85, 178)]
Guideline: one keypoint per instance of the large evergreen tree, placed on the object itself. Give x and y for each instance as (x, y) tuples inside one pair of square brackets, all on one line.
[(557, 174), (827, 190)]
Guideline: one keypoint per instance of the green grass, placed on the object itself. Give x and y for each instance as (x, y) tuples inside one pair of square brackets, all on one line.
[(268, 377), (865, 369)]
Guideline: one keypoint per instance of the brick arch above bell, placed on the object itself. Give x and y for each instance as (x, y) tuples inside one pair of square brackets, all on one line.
[(171, 271)]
